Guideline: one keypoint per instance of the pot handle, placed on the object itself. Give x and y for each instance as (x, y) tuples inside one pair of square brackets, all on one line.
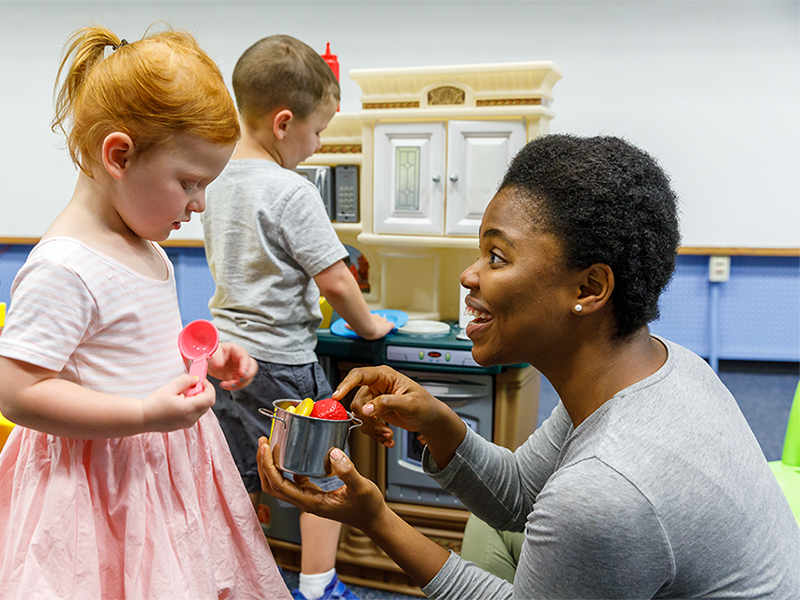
[(357, 423), (272, 415)]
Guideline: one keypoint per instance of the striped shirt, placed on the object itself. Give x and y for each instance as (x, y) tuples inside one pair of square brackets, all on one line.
[(95, 321)]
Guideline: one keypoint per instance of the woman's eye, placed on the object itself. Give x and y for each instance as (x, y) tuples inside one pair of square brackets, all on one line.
[(494, 258)]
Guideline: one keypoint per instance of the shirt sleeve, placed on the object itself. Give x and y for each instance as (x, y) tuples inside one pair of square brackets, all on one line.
[(591, 534), (459, 579), (51, 312), (496, 484)]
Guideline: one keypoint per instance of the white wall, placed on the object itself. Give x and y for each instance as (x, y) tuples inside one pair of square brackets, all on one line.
[(708, 87)]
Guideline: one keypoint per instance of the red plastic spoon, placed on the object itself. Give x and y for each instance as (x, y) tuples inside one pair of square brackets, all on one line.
[(197, 342)]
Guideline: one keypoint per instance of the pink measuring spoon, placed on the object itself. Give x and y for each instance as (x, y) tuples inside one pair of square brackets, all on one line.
[(197, 342)]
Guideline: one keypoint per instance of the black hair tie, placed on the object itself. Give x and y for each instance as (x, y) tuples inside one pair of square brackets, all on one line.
[(122, 43)]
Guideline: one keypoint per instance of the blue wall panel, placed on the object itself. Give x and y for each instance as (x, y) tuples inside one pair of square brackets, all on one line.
[(194, 281), (684, 306), (757, 311)]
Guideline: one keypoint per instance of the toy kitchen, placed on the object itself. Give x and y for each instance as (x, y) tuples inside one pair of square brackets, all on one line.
[(427, 150)]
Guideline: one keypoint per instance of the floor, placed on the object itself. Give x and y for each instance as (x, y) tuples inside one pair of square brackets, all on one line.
[(764, 392)]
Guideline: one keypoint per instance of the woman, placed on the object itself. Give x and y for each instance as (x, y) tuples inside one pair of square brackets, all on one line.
[(646, 480)]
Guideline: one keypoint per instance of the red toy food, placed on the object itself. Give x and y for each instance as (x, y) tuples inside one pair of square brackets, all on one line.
[(329, 409)]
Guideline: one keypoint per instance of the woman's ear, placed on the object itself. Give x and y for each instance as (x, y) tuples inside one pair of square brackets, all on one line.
[(596, 287), (280, 122), (117, 151)]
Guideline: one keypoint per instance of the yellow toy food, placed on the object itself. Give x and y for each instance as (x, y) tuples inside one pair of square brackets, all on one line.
[(305, 407)]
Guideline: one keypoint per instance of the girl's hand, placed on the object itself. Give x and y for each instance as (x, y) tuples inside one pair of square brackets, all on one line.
[(233, 366), (358, 502), (169, 409)]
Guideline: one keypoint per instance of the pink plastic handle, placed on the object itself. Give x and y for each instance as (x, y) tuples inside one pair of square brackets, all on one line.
[(199, 369)]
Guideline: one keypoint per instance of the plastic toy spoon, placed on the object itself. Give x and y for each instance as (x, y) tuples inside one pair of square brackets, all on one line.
[(197, 342)]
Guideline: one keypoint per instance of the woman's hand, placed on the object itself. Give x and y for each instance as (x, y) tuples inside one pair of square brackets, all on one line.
[(387, 397), (233, 366), (358, 502)]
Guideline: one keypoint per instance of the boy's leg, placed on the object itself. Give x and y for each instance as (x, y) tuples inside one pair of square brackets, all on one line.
[(319, 555)]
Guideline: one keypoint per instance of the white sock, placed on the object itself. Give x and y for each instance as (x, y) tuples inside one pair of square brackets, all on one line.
[(313, 586)]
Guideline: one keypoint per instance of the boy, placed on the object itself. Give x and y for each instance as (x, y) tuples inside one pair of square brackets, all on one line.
[(272, 250)]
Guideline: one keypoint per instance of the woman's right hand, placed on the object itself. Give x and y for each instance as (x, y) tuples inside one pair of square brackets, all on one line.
[(169, 408), (385, 397)]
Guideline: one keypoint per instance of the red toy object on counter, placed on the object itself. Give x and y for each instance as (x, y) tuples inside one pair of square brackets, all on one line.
[(333, 63), (332, 60), (329, 409)]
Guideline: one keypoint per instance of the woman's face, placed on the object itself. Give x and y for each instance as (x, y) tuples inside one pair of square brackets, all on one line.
[(520, 295)]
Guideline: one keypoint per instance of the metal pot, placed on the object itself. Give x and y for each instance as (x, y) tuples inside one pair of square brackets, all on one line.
[(299, 444)]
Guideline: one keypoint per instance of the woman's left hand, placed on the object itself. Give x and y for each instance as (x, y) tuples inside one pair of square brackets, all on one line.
[(358, 502), (233, 366)]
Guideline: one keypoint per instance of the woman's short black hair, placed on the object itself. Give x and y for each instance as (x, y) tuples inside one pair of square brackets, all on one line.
[(608, 202)]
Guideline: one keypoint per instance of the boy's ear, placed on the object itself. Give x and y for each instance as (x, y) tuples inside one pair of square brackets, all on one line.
[(596, 287), (117, 151), (280, 123)]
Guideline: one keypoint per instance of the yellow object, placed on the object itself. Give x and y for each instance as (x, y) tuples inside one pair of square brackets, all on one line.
[(3, 315), (327, 312), (5, 430), (305, 407)]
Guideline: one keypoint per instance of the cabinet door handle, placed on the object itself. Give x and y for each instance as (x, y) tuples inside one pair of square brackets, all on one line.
[(436, 179), (453, 178)]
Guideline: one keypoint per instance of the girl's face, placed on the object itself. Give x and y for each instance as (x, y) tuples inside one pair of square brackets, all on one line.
[(163, 187), (520, 295), (303, 137)]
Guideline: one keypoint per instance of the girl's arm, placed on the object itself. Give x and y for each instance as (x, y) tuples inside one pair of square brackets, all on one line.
[(36, 398)]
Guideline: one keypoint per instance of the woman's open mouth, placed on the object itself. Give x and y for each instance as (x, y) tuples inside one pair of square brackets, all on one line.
[(478, 316)]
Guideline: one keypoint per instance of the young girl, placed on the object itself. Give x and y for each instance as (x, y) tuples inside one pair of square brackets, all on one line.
[(116, 484)]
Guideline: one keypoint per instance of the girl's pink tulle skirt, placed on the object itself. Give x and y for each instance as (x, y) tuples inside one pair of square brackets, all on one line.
[(149, 516)]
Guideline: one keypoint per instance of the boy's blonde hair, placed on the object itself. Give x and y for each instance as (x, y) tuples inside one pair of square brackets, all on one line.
[(280, 71), (152, 89)]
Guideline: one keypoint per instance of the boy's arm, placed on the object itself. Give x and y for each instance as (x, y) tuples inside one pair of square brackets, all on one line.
[(340, 289)]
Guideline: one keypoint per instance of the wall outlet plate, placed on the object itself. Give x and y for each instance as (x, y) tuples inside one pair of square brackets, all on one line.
[(719, 268)]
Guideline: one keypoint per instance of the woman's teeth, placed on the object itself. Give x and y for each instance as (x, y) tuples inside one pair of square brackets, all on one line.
[(476, 314)]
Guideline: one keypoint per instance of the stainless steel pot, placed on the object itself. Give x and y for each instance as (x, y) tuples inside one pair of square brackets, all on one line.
[(299, 444)]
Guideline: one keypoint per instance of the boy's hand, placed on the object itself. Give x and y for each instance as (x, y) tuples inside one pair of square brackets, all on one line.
[(233, 366), (170, 409), (381, 327)]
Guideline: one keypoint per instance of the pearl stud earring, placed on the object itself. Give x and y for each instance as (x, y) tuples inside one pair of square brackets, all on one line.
[(578, 308)]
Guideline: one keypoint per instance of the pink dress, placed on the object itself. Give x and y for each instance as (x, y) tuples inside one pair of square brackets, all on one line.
[(150, 516)]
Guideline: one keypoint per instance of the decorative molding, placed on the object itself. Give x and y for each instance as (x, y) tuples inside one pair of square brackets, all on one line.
[(340, 149), (509, 102), (372, 105), (446, 94)]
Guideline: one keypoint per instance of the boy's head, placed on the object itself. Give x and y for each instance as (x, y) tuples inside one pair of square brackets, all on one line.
[(281, 72)]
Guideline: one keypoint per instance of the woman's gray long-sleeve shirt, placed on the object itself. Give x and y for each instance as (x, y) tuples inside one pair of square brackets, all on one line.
[(663, 492)]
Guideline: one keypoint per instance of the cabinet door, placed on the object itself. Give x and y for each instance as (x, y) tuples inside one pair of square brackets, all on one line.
[(479, 153), (409, 178)]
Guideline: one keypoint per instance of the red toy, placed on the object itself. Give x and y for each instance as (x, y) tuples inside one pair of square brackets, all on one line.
[(329, 409)]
